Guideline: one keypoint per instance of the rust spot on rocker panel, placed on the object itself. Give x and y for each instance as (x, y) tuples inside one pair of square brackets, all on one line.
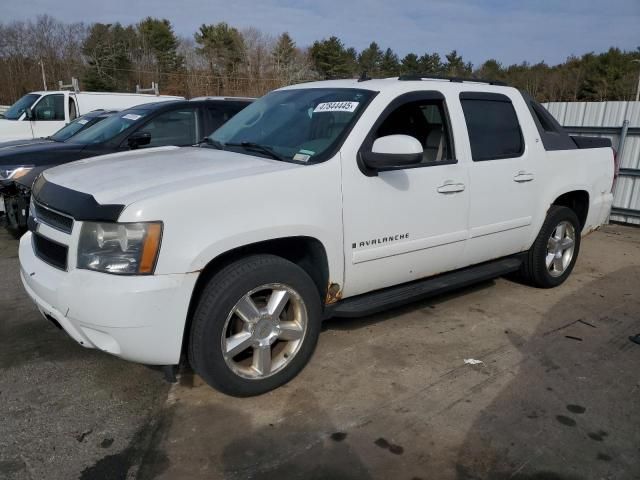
[(334, 294)]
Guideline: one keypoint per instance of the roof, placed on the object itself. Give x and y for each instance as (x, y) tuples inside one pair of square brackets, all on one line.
[(396, 85), (178, 103), (225, 99)]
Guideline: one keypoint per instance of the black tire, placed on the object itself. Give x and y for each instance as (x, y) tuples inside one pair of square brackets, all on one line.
[(216, 302), (534, 269)]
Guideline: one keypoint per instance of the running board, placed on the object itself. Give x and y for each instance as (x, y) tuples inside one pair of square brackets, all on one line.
[(374, 302)]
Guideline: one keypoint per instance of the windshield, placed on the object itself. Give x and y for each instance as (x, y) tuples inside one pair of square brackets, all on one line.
[(74, 127), (18, 108), (109, 128), (302, 125)]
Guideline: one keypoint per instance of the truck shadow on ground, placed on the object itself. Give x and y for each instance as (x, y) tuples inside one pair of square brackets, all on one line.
[(571, 412), (225, 443)]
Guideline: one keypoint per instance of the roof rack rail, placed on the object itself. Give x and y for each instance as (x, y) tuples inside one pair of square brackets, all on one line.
[(155, 89), (428, 76)]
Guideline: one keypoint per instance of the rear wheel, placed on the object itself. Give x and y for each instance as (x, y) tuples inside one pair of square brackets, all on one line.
[(256, 325), (554, 253)]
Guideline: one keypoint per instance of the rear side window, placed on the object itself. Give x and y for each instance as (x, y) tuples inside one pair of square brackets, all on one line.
[(219, 114), (494, 131)]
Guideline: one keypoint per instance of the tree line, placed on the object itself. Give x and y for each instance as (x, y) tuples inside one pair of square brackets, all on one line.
[(220, 59)]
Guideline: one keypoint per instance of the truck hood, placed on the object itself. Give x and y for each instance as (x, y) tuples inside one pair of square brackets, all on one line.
[(14, 130), (124, 178), (38, 153), (23, 142)]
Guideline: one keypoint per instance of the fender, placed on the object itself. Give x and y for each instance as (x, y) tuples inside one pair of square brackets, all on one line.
[(333, 249), (544, 206)]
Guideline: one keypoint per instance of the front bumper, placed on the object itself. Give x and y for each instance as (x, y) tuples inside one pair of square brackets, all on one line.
[(138, 318)]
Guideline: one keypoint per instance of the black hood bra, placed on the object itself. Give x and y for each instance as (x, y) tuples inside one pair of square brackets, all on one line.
[(79, 205)]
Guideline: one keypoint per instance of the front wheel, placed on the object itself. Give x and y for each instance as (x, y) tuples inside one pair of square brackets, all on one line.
[(256, 325), (553, 255)]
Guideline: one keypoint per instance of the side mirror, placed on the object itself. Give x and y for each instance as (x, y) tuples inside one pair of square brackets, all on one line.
[(28, 114), (393, 152), (138, 139)]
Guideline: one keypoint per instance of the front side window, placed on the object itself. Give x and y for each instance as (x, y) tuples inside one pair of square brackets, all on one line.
[(109, 128), (179, 128), (424, 120), (300, 125), (50, 108), (492, 123), (17, 109)]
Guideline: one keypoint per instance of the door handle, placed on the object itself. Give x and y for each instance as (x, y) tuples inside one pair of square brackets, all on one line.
[(522, 177), (450, 187)]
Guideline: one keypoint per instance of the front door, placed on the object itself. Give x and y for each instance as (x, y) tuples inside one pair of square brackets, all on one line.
[(406, 224), (48, 115)]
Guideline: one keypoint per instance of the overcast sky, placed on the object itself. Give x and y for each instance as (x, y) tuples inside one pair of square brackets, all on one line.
[(508, 30)]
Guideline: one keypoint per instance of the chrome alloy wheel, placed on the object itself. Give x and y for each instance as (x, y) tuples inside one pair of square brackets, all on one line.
[(264, 331), (560, 248)]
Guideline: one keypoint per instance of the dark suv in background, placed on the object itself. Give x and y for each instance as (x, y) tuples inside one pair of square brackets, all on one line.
[(176, 123)]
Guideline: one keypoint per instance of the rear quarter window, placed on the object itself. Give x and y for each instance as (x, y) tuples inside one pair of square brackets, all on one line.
[(492, 123)]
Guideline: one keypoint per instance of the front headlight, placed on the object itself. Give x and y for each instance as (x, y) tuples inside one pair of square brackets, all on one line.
[(120, 248), (13, 173)]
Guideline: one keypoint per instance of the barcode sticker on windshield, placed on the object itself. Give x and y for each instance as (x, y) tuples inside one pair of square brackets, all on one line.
[(336, 107), (83, 122), (131, 116), (301, 157)]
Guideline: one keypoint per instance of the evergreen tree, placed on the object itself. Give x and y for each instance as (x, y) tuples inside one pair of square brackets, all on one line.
[(222, 46), (284, 52), (410, 64), (351, 61), (390, 64), (330, 58), (491, 70), (370, 60), (106, 50), (158, 37), (431, 63), (455, 66)]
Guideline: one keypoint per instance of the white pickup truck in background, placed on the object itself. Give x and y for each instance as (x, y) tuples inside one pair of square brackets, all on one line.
[(336, 198), (41, 114)]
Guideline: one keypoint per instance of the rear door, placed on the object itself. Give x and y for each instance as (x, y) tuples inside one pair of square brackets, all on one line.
[(502, 177)]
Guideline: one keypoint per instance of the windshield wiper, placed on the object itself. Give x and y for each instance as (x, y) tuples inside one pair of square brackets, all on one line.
[(210, 142), (259, 148)]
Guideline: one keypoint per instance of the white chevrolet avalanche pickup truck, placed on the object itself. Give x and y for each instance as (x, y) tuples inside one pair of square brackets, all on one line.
[(329, 199)]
